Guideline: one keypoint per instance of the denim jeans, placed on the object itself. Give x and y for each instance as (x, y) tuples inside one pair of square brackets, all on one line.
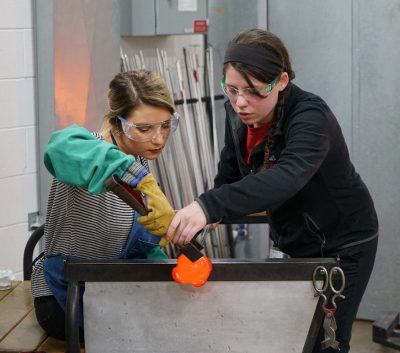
[(357, 263), (139, 242), (53, 268)]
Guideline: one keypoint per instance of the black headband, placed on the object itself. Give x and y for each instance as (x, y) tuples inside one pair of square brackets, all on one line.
[(253, 56)]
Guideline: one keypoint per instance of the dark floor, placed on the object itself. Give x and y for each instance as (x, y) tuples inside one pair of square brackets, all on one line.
[(361, 341)]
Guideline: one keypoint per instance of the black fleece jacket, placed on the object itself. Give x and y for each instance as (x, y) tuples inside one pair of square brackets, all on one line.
[(316, 201)]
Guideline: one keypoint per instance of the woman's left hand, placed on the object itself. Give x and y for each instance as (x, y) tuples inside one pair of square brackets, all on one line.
[(187, 222)]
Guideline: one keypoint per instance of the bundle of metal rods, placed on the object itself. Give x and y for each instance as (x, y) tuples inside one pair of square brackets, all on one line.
[(187, 166)]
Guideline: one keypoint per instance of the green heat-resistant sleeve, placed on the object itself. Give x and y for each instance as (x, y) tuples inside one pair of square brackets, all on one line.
[(75, 156)]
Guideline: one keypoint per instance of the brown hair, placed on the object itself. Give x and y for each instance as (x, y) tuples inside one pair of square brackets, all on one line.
[(128, 90), (270, 42)]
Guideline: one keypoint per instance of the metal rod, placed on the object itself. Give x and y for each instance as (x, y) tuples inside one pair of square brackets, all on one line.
[(187, 166), (72, 318)]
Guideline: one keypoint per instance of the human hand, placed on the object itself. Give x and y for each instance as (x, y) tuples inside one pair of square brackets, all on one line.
[(187, 222), (160, 213)]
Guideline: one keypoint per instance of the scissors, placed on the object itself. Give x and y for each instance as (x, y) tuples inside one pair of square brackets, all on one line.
[(328, 283)]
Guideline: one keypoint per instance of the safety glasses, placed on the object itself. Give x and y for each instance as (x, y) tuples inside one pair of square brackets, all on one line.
[(146, 132), (248, 93)]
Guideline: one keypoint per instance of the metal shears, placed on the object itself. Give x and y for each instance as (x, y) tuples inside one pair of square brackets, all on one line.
[(328, 282), (327, 288)]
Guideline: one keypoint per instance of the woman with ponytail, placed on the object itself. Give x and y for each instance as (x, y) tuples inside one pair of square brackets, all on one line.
[(85, 220), (285, 153)]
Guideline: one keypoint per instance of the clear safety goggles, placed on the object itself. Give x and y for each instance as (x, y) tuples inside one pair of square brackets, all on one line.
[(146, 132)]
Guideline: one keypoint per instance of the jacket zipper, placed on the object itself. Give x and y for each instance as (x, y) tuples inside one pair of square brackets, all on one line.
[(315, 230)]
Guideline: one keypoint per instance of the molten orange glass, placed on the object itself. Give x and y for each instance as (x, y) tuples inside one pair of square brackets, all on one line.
[(195, 273)]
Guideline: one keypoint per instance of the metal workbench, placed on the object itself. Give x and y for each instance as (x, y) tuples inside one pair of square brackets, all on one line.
[(240, 306)]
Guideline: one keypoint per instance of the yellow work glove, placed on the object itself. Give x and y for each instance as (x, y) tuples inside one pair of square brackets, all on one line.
[(160, 213)]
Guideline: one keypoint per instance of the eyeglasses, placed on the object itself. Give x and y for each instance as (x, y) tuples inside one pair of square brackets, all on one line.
[(248, 93), (146, 132)]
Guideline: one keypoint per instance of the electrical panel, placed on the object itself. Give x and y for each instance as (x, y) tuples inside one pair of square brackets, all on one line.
[(163, 17)]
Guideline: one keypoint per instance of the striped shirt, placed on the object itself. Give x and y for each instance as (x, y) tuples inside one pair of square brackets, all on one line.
[(82, 225)]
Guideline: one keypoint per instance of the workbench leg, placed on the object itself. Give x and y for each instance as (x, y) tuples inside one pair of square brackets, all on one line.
[(72, 318), (313, 332)]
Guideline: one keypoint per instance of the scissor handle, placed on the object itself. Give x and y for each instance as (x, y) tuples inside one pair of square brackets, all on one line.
[(332, 272), (321, 270)]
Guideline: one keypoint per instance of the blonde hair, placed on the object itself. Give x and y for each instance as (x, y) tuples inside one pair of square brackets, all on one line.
[(128, 90)]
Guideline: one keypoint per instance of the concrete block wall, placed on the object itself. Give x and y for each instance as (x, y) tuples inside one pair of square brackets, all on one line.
[(18, 131)]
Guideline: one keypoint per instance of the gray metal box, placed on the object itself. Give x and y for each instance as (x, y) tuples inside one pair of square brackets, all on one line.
[(137, 18), (162, 17), (173, 18)]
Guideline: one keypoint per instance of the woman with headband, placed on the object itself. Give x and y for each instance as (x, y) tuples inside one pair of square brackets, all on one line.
[(285, 153)]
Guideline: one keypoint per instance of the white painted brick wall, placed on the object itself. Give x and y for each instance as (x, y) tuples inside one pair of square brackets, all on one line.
[(18, 131)]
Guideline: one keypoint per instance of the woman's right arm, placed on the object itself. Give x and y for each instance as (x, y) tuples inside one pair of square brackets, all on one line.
[(74, 156)]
